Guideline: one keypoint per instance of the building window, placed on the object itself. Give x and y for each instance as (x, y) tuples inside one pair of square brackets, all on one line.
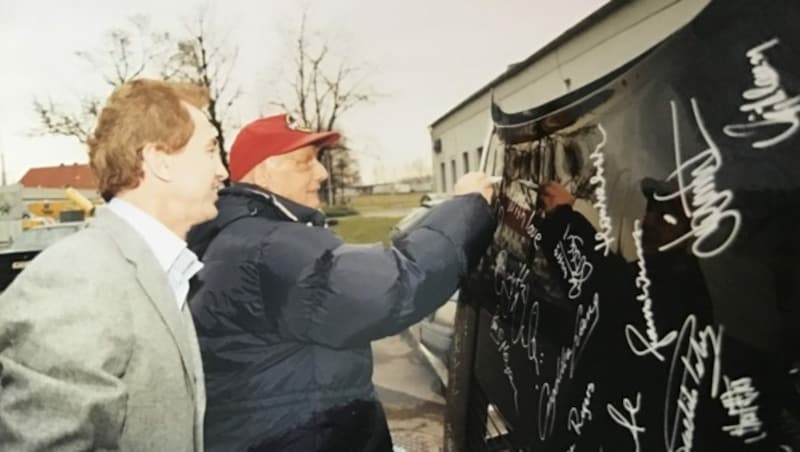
[(437, 145), (443, 172), (466, 162), (453, 171), (479, 154)]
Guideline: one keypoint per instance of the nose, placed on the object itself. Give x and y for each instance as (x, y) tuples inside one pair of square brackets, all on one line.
[(320, 173)]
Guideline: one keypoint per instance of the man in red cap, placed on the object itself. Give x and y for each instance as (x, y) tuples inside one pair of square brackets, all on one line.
[(285, 312)]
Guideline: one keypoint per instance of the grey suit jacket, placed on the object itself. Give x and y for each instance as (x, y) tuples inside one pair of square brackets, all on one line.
[(94, 351)]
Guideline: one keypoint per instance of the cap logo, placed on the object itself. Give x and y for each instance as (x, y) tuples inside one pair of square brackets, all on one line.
[(293, 124)]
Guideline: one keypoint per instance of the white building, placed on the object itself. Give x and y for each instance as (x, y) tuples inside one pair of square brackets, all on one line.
[(604, 41)]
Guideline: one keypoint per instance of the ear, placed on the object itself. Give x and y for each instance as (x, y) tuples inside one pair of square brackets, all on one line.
[(155, 162)]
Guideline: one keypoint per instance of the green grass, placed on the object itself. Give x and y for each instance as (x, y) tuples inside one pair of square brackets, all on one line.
[(360, 229), (366, 203)]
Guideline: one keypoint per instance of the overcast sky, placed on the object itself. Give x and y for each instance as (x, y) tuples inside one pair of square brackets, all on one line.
[(428, 56)]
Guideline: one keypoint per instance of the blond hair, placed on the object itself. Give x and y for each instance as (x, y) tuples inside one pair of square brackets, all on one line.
[(138, 113)]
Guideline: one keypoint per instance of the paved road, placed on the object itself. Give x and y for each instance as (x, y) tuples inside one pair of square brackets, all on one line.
[(408, 389)]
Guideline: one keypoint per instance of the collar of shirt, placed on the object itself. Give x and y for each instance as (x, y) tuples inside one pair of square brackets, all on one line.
[(175, 259)]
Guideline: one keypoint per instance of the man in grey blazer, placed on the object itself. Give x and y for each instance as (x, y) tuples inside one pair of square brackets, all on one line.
[(97, 346)]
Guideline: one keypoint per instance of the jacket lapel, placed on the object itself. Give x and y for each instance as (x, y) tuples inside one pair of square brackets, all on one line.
[(152, 279)]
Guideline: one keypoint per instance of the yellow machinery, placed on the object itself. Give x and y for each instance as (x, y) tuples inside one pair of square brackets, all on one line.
[(35, 222), (81, 201), (75, 207)]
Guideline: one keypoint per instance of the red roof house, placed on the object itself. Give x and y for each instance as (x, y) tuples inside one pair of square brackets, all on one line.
[(76, 176)]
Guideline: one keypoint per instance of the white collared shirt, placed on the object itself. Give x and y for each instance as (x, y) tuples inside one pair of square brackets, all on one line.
[(177, 261)]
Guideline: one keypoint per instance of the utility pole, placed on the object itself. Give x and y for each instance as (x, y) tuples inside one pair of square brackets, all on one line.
[(329, 161), (3, 162), (3, 159)]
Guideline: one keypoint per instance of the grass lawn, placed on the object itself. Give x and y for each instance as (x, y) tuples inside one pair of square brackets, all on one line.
[(358, 229), (366, 203)]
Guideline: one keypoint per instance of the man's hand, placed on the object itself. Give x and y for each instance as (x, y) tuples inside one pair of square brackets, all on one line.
[(554, 194), (475, 182)]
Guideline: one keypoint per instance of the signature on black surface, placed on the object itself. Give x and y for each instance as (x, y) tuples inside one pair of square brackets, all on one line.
[(709, 207), (767, 104)]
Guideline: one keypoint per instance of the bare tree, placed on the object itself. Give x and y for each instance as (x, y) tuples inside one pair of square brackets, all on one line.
[(318, 87), (128, 52), (198, 55), (207, 58), (53, 120)]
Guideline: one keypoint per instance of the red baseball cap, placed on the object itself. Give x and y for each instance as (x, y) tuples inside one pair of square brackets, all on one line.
[(266, 137)]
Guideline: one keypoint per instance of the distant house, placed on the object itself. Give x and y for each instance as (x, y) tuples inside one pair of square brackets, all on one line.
[(420, 184), (78, 176), (384, 188)]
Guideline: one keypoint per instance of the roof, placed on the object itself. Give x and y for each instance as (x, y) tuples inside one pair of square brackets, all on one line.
[(514, 69), (62, 176)]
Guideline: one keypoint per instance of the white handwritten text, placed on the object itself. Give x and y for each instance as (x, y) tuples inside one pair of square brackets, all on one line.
[(767, 105), (638, 344), (709, 207)]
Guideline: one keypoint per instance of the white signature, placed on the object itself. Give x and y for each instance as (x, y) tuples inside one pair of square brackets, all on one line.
[(548, 420), (697, 347), (628, 422), (574, 265), (738, 399), (497, 334), (603, 236), (584, 327), (524, 327), (767, 102), (576, 419), (585, 323), (709, 207), (511, 285), (637, 342)]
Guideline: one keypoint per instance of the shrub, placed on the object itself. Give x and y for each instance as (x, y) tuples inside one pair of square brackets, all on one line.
[(339, 211)]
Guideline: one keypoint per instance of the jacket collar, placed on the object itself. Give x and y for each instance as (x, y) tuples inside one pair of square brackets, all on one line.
[(243, 200), (282, 207)]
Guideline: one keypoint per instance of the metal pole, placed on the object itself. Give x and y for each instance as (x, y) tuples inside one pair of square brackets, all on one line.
[(329, 161), (3, 158)]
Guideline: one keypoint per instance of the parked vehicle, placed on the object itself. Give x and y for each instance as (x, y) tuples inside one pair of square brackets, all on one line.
[(31, 242), (434, 333)]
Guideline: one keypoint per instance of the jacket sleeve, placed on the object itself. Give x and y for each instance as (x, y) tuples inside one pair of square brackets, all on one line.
[(63, 346), (353, 294)]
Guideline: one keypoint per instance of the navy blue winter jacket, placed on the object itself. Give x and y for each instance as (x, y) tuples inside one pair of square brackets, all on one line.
[(285, 313)]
